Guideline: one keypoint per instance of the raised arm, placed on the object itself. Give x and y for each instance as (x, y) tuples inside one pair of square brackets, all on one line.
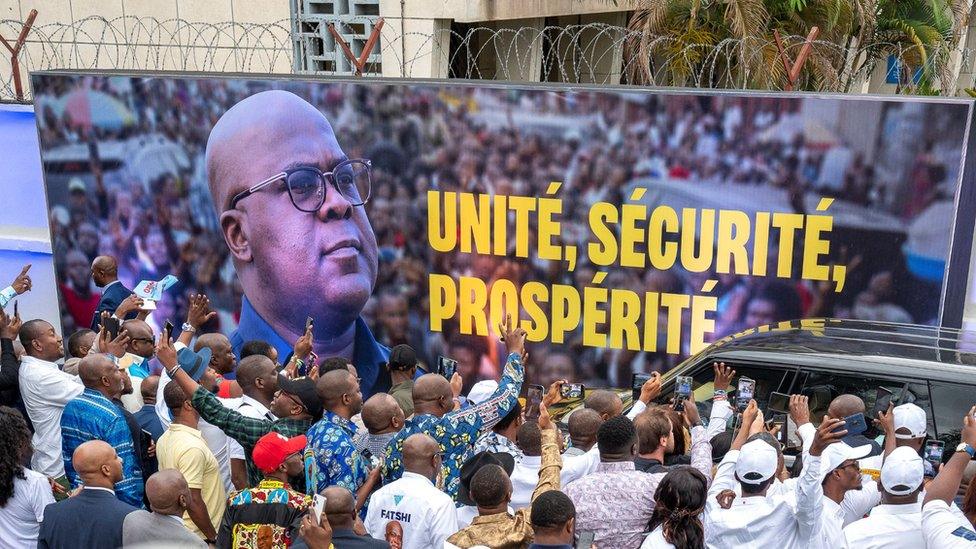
[(809, 491), (9, 365), (701, 445), (649, 391), (946, 483), (551, 460)]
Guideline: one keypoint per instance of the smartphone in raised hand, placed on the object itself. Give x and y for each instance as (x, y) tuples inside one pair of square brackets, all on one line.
[(637, 381), (682, 392), (779, 402), (318, 505), (446, 366), (933, 452), (745, 391), (309, 322), (533, 398), (112, 327), (571, 390)]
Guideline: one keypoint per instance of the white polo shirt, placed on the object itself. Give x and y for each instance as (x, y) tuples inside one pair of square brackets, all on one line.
[(45, 390), (427, 515), (888, 527), (944, 529)]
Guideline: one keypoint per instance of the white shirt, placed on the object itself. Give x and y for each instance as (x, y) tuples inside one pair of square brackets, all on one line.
[(888, 527), (944, 529), (831, 534), (45, 390), (217, 441), (655, 540), (20, 519), (758, 521), (427, 515)]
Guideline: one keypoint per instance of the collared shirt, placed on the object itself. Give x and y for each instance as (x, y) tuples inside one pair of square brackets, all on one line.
[(149, 420), (369, 356), (183, 448), (888, 527), (831, 534), (46, 390), (267, 515), (253, 408), (497, 444), (757, 521), (526, 474), (331, 458), (504, 531), (403, 393), (616, 502), (457, 431), (945, 529), (246, 430), (91, 416), (374, 444), (425, 514)]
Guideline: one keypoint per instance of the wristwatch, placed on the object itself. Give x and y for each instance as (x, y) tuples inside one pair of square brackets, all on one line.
[(187, 327), (963, 447)]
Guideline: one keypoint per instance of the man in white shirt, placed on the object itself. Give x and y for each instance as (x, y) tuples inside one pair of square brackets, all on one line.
[(755, 520), (525, 475), (897, 522), (413, 505), (839, 474), (942, 527), (45, 390)]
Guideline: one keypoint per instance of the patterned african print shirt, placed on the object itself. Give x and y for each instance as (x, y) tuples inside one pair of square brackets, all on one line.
[(331, 458), (91, 416), (245, 430), (266, 516), (497, 444), (457, 431)]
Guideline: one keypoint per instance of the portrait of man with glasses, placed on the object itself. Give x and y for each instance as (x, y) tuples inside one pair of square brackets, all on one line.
[(290, 205)]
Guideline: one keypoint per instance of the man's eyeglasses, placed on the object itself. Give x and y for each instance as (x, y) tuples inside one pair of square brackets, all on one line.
[(292, 398), (148, 340), (307, 185)]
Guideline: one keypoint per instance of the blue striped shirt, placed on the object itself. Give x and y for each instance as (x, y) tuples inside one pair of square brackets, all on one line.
[(91, 416)]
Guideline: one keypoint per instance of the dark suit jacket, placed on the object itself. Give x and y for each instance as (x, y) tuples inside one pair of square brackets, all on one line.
[(347, 539), (112, 297), (91, 520)]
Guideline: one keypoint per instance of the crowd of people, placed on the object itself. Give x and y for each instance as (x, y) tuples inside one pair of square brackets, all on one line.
[(97, 451), (501, 141)]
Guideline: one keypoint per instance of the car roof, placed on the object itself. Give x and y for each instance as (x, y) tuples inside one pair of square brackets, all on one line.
[(889, 349)]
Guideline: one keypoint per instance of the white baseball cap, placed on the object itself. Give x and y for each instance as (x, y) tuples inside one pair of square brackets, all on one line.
[(911, 417), (757, 462), (836, 454), (902, 472), (481, 391)]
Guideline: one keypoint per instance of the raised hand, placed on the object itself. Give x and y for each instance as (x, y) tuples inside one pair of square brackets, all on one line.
[(199, 313), (723, 376), (554, 394), (750, 414), (456, 383), (513, 336), (9, 325), (886, 420), (758, 424), (799, 409), (968, 434), (303, 347), (165, 352), (116, 346), (651, 388), (545, 420), (825, 435), (23, 281), (692, 417), (129, 304)]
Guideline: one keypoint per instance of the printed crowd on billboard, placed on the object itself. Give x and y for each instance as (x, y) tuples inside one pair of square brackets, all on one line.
[(626, 229)]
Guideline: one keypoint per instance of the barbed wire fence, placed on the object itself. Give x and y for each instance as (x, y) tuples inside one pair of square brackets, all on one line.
[(590, 53)]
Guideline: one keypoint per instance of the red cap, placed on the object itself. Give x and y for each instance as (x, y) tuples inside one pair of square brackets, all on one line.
[(274, 448)]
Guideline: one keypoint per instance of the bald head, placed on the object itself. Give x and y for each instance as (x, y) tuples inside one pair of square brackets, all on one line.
[(845, 405), (251, 368), (605, 403), (164, 489), (97, 464), (93, 368), (148, 389), (418, 454), (431, 393), (379, 413), (210, 341), (583, 426), (138, 328), (340, 507), (333, 385), (107, 264), (249, 128)]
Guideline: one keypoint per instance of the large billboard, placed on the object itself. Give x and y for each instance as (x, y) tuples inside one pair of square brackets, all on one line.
[(628, 228)]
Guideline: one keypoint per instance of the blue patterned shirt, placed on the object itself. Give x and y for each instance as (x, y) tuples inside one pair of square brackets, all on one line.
[(331, 458), (497, 444), (457, 432), (91, 416)]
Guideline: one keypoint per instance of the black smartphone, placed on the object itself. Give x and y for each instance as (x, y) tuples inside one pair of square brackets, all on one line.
[(933, 452), (533, 397), (585, 540), (571, 390), (16, 309), (855, 424), (446, 366), (779, 402), (682, 391), (168, 328), (112, 327), (309, 321), (882, 398), (636, 382), (746, 391)]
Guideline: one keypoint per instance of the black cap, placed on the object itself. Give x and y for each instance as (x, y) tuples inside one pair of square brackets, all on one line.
[(474, 463), (304, 389), (402, 357)]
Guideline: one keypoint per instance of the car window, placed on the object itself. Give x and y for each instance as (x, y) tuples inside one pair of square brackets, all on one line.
[(950, 402), (822, 387)]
